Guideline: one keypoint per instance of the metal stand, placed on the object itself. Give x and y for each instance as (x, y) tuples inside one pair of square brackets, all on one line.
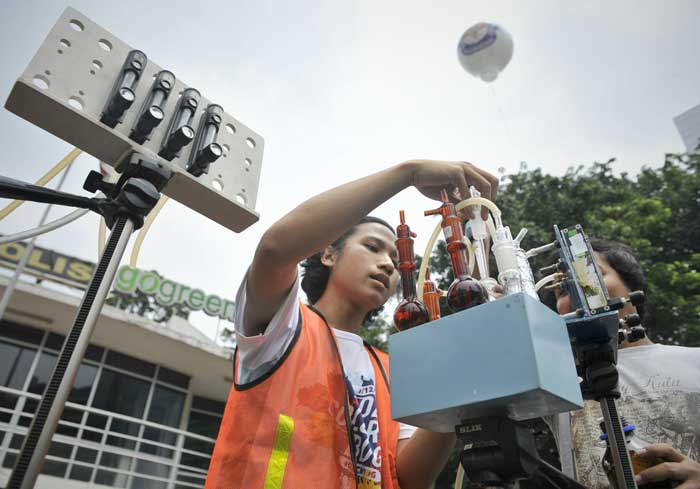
[(128, 202), (501, 451), (596, 359)]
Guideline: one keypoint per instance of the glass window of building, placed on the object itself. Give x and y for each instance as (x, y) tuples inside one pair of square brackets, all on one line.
[(135, 441)]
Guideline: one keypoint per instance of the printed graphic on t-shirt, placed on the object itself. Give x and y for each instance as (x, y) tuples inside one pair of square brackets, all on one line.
[(365, 426), (661, 407)]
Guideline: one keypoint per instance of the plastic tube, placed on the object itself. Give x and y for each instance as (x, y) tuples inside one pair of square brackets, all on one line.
[(471, 254), (546, 280), (542, 249), (495, 211), (490, 227), (459, 479), (45, 228), (48, 176), (144, 230), (101, 236)]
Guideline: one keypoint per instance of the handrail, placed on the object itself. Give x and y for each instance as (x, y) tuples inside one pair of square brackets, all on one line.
[(122, 417), (177, 470)]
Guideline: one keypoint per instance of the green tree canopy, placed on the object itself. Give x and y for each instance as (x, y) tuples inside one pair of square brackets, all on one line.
[(657, 213)]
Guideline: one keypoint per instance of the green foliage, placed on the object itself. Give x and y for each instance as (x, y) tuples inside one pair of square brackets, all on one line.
[(377, 332), (655, 213), (227, 336)]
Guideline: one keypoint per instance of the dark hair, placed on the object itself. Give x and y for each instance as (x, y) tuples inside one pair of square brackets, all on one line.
[(623, 260), (315, 275)]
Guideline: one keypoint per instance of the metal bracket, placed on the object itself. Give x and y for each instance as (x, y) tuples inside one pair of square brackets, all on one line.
[(64, 90)]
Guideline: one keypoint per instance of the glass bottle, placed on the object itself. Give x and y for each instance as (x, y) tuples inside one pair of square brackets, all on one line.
[(634, 444), (411, 311), (431, 297), (465, 291)]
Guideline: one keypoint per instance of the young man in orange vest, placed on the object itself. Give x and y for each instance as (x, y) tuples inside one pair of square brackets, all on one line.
[(310, 406)]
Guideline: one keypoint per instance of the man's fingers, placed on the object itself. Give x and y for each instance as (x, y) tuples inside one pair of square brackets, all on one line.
[(661, 472), (482, 185), (689, 485), (462, 186), (475, 178), (463, 189), (493, 181), (661, 451)]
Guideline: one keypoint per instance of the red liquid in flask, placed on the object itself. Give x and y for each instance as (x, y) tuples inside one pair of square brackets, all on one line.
[(465, 291), (410, 312)]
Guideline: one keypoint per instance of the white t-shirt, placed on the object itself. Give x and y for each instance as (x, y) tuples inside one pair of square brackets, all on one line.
[(660, 387), (257, 354)]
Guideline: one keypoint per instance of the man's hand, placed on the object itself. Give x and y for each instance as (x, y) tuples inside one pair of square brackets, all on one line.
[(675, 466), (430, 177)]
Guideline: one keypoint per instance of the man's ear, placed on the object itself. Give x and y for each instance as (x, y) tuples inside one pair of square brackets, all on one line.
[(329, 256)]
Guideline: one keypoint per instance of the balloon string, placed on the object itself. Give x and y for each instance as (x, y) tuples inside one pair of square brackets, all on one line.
[(504, 120)]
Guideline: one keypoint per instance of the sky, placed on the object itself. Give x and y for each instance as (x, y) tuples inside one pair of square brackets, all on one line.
[(339, 90)]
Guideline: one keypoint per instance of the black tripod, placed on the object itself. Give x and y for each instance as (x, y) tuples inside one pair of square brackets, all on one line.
[(124, 208), (501, 451), (596, 358)]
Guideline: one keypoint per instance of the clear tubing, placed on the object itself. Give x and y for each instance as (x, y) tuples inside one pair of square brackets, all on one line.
[(45, 228), (546, 280), (541, 249), (48, 176), (144, 230), (495, 211)]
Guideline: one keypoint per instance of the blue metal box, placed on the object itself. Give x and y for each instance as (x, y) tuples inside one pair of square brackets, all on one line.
[(511, 357)]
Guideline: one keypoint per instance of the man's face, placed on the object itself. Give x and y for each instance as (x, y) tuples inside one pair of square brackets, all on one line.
[(365, 270), (616, 288)]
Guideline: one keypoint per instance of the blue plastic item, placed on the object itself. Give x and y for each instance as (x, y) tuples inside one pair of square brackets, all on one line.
[(511, 357)]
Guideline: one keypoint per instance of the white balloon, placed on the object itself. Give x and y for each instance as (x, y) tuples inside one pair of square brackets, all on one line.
[(484, 50)]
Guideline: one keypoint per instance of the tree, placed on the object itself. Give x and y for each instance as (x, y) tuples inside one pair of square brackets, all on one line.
[(377, 332), (146, 306), (656, 214)]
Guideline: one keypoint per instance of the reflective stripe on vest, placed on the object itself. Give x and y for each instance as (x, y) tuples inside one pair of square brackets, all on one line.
[(287, 428), (280, 453)]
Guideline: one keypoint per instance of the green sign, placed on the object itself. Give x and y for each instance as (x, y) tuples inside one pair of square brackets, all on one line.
[(167, 292)]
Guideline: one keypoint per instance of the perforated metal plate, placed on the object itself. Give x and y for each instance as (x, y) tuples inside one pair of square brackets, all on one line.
[(64, 90)]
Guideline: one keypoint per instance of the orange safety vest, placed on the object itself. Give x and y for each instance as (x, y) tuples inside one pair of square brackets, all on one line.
[(288, 429)]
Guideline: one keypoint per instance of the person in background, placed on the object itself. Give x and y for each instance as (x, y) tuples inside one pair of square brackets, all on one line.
[(660, 387)]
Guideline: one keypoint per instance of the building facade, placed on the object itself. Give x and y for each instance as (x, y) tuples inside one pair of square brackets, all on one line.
[(145, 408)]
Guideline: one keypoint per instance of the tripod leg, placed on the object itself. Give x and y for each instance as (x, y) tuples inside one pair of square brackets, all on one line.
[(618, 444), (36, 443)]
